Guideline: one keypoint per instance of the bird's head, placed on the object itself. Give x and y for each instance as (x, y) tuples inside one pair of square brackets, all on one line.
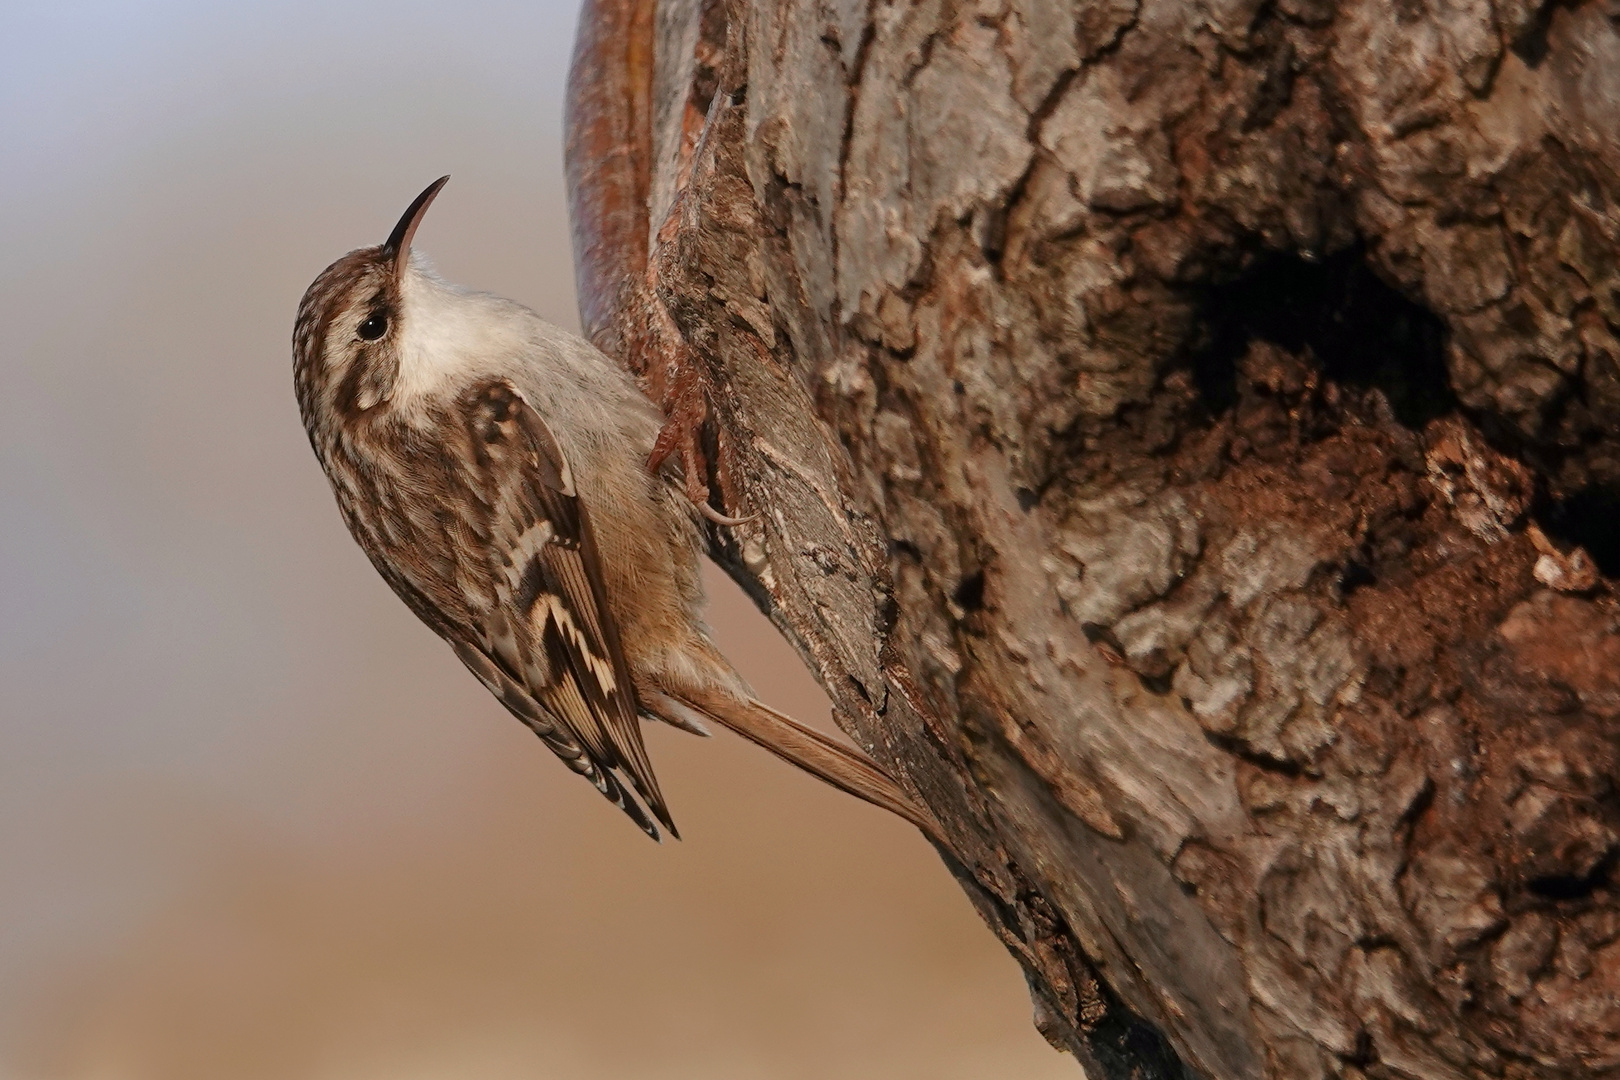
[(347, 341)]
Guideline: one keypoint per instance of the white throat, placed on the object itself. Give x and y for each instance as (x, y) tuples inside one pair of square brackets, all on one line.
[(449, 336)]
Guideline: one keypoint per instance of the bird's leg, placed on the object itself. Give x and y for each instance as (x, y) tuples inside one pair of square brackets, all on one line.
[(683, 418), (685, 415), (682, 389)]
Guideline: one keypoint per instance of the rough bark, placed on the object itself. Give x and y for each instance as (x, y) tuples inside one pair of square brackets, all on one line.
[(1182, 437)]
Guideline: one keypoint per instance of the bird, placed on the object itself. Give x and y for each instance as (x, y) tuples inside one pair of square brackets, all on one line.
[(495, 469)]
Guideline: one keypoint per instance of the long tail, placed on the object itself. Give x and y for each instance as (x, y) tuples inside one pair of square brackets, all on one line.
[(844, 768)]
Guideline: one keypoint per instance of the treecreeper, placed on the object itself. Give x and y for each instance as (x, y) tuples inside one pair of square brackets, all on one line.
[(496, 471)]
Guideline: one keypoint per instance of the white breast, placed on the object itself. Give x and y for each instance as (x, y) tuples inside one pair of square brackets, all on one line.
[(450, 337)]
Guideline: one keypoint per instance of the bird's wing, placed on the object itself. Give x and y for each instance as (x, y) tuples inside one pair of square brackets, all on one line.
[(549, 634), (556, 737)]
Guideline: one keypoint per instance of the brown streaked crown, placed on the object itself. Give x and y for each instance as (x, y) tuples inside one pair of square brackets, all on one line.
[(329, 371)]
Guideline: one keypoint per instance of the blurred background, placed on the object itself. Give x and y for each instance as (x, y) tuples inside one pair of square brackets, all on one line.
[(255, 820)]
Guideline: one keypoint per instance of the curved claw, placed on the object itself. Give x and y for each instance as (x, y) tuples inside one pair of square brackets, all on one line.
[(721, 519)]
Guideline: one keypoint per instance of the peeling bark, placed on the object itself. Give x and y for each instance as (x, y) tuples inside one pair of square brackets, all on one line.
[(1182, 438)]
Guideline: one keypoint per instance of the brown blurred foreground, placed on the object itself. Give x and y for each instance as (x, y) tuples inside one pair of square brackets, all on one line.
[(526, 931)]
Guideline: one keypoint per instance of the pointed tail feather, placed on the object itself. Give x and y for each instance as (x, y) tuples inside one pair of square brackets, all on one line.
[(843, 767)]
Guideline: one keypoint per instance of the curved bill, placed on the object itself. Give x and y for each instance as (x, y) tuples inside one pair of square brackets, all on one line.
[(398, 244)]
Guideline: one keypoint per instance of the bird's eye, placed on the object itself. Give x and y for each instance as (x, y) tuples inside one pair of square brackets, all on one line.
[(374, 327)]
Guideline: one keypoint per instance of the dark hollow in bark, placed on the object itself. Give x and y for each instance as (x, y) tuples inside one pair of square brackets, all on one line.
[(1182, 438)]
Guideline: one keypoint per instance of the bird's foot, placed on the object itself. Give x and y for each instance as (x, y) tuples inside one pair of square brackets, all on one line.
[(680, 439)]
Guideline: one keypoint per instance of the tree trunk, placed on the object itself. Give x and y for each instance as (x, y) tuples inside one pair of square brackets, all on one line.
[(1182, 437)]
